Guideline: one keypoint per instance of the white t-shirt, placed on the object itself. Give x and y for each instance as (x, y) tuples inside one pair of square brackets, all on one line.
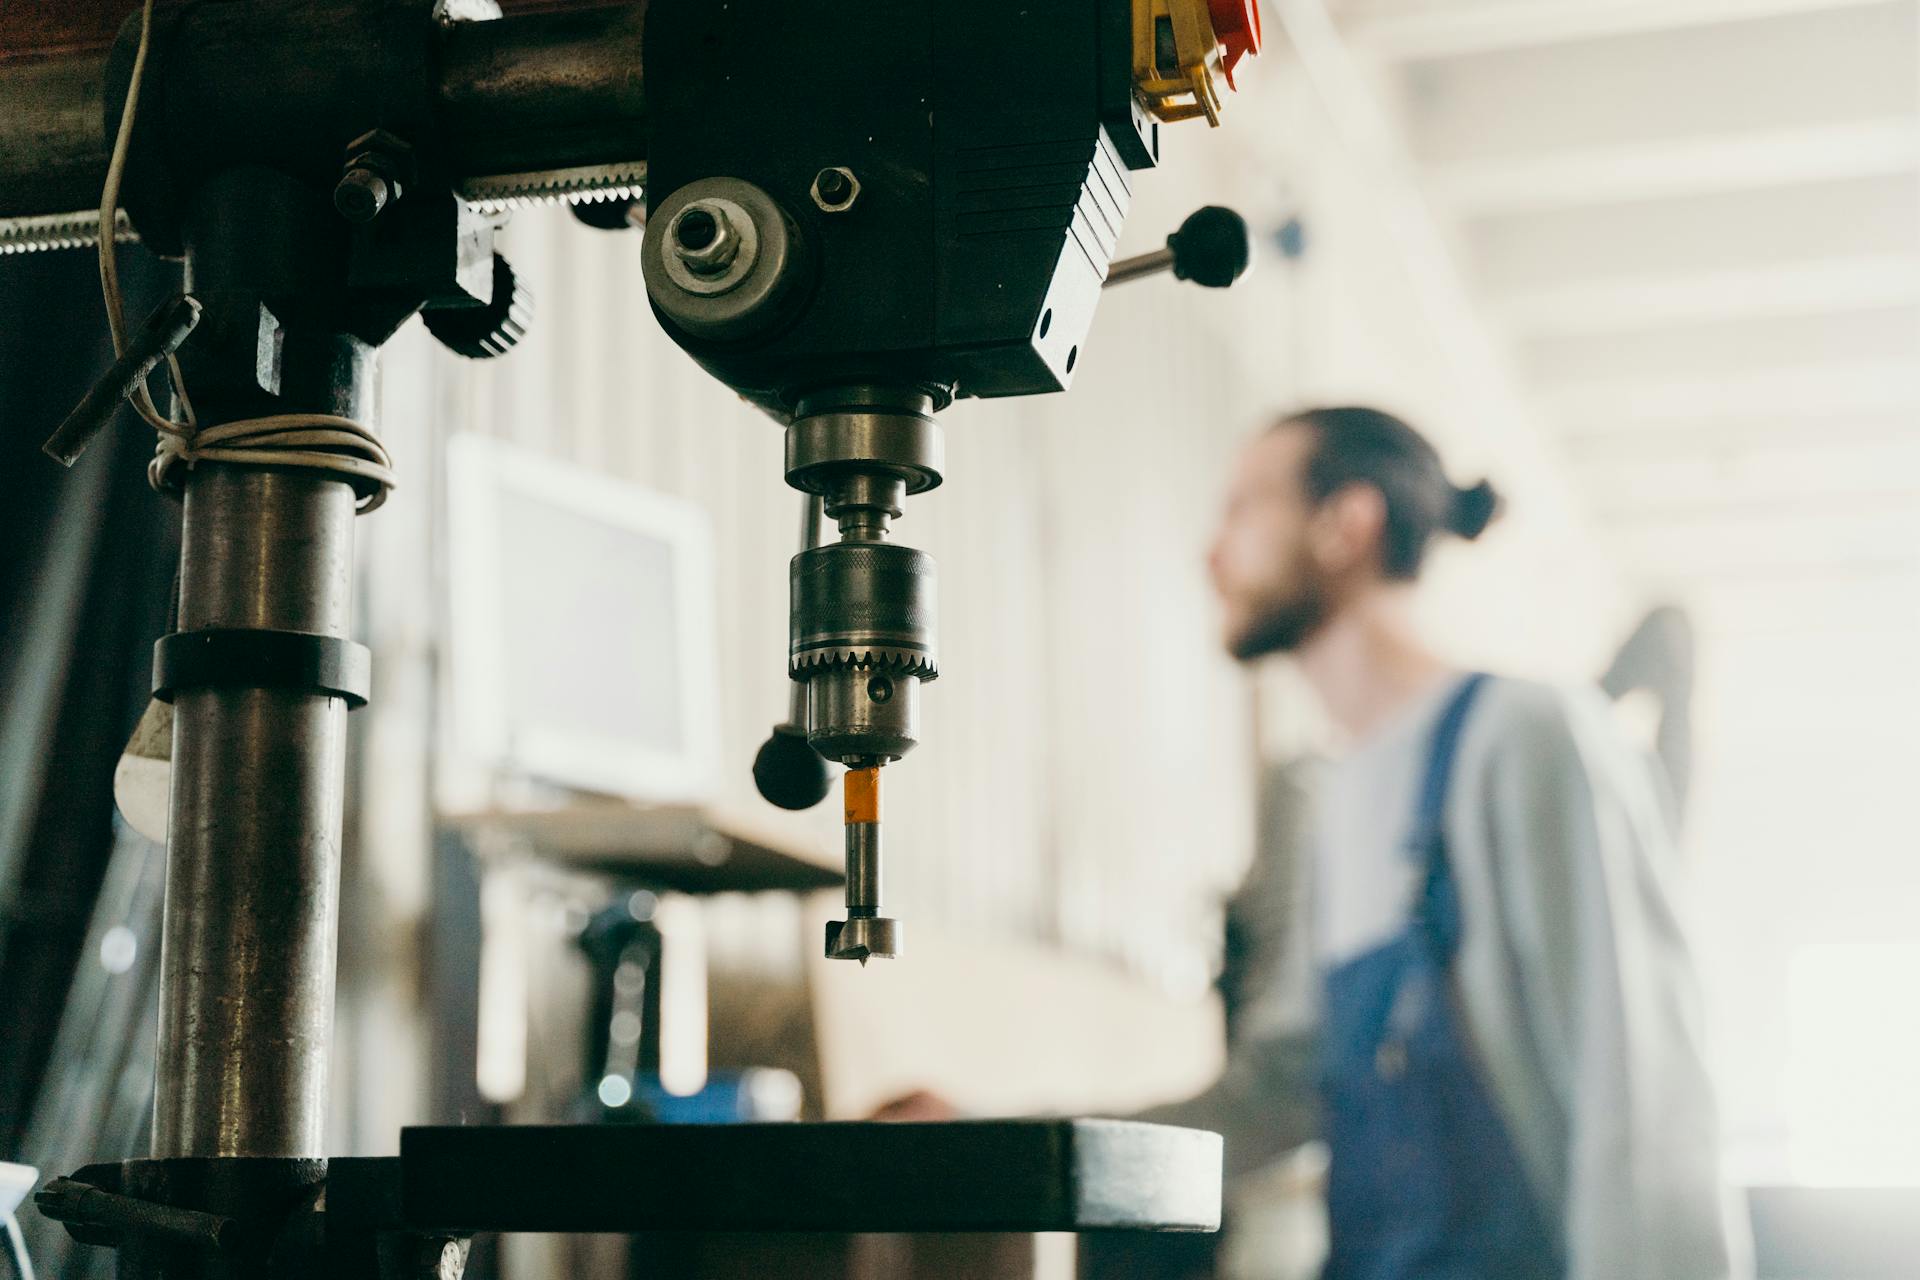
[(1573, 975)]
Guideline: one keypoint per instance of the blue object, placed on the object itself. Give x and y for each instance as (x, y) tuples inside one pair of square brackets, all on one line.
[(729, 1097), (1290, 237), (1424, 1182)]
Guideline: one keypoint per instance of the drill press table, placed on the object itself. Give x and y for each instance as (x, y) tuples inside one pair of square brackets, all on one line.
[(985, 1175)]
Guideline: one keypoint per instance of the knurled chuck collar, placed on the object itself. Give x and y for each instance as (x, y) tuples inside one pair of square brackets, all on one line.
[(864, 604)]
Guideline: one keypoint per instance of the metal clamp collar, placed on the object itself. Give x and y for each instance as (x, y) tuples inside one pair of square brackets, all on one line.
[(242, 658)]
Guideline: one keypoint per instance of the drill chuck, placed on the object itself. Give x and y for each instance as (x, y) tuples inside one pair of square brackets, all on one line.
[(864, 602), (861, 713), (863, 618)]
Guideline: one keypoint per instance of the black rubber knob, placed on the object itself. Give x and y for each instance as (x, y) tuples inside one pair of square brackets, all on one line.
[(480, 333), (790, 773), (1211, 248)]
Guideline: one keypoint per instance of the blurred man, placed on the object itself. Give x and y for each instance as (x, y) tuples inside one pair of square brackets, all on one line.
[(1504, 1053), (1467, 978)]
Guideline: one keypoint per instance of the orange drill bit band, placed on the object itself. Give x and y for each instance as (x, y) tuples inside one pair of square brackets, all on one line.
[(863, 795)]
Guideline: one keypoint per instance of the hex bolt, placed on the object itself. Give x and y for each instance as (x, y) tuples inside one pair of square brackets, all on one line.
[(704, 238), (835, 189), (361, 194), (377, 165)]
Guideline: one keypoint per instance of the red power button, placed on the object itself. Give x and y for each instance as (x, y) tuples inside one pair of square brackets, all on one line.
[(1237, 24)]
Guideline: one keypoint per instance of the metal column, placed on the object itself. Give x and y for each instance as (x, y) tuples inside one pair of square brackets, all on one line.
[(253, 869), (253, 838)]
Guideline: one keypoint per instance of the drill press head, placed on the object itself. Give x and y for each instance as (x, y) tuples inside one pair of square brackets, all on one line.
[(857, 214)]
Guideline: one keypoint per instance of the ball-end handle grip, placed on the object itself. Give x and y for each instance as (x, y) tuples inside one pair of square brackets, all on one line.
[(789, 772)]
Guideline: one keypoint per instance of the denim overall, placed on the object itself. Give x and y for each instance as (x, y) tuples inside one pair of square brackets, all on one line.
[(1424, 1183)]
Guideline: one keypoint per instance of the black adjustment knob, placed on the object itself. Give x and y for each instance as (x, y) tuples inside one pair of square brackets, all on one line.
[(789, 772), (1211, 248), (482, 332)]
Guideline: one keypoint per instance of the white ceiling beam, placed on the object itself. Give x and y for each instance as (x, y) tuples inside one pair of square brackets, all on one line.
[(1801, 71), (1784, 540), (1727, 349), (1602, 442), (1447, 29), (1675, 527), (1697, 236), (1813, 392), (1865, 599), (1626, 484), (1632, 508), (1623, 305), (1675, 168), (1894, 568)]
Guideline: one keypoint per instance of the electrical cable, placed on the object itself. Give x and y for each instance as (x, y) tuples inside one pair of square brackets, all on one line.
[(311, 441), (17, 1243), (109, 255)]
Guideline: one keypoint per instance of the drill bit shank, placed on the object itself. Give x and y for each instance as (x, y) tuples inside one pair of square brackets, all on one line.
[(865, 933)]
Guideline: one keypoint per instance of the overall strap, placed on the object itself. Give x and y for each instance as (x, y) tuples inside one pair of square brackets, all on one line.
[(1438, 910)]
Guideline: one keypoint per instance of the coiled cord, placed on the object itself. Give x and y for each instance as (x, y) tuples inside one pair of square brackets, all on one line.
[(311, 441)]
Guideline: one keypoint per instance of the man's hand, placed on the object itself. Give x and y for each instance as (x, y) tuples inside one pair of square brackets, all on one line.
[(920, 1105)]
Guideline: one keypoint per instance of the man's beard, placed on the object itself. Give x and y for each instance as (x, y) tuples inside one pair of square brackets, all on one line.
[(1283, 625)]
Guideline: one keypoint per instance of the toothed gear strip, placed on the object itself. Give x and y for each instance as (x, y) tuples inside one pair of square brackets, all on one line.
[(79, 230), (590, 184)]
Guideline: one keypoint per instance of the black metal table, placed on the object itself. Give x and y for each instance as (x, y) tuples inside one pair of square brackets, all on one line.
[(986, 1175)]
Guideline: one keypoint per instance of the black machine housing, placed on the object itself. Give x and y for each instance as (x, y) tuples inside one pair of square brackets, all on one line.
[(971, 262)]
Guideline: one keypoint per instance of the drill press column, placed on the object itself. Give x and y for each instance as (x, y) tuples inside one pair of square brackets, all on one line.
[(259, 741), (253, 848)]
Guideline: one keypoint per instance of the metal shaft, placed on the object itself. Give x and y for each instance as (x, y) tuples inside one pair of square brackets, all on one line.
[(863, 868), (536, 92), (53, 143), (545, 90), (865, 933), (253, 864), (1139, 267)]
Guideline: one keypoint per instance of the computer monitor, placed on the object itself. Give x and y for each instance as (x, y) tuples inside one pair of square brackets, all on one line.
[(583, 627)]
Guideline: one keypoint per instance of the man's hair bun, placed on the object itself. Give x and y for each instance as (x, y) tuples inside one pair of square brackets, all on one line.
[(1474, 508)]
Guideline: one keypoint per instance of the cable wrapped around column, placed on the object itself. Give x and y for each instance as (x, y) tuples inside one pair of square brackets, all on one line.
[(312, 441)]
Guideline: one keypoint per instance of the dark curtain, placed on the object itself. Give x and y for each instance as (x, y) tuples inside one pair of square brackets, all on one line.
[(85, 582)]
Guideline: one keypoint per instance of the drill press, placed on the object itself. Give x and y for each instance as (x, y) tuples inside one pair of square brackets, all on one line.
[(856, 214)]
